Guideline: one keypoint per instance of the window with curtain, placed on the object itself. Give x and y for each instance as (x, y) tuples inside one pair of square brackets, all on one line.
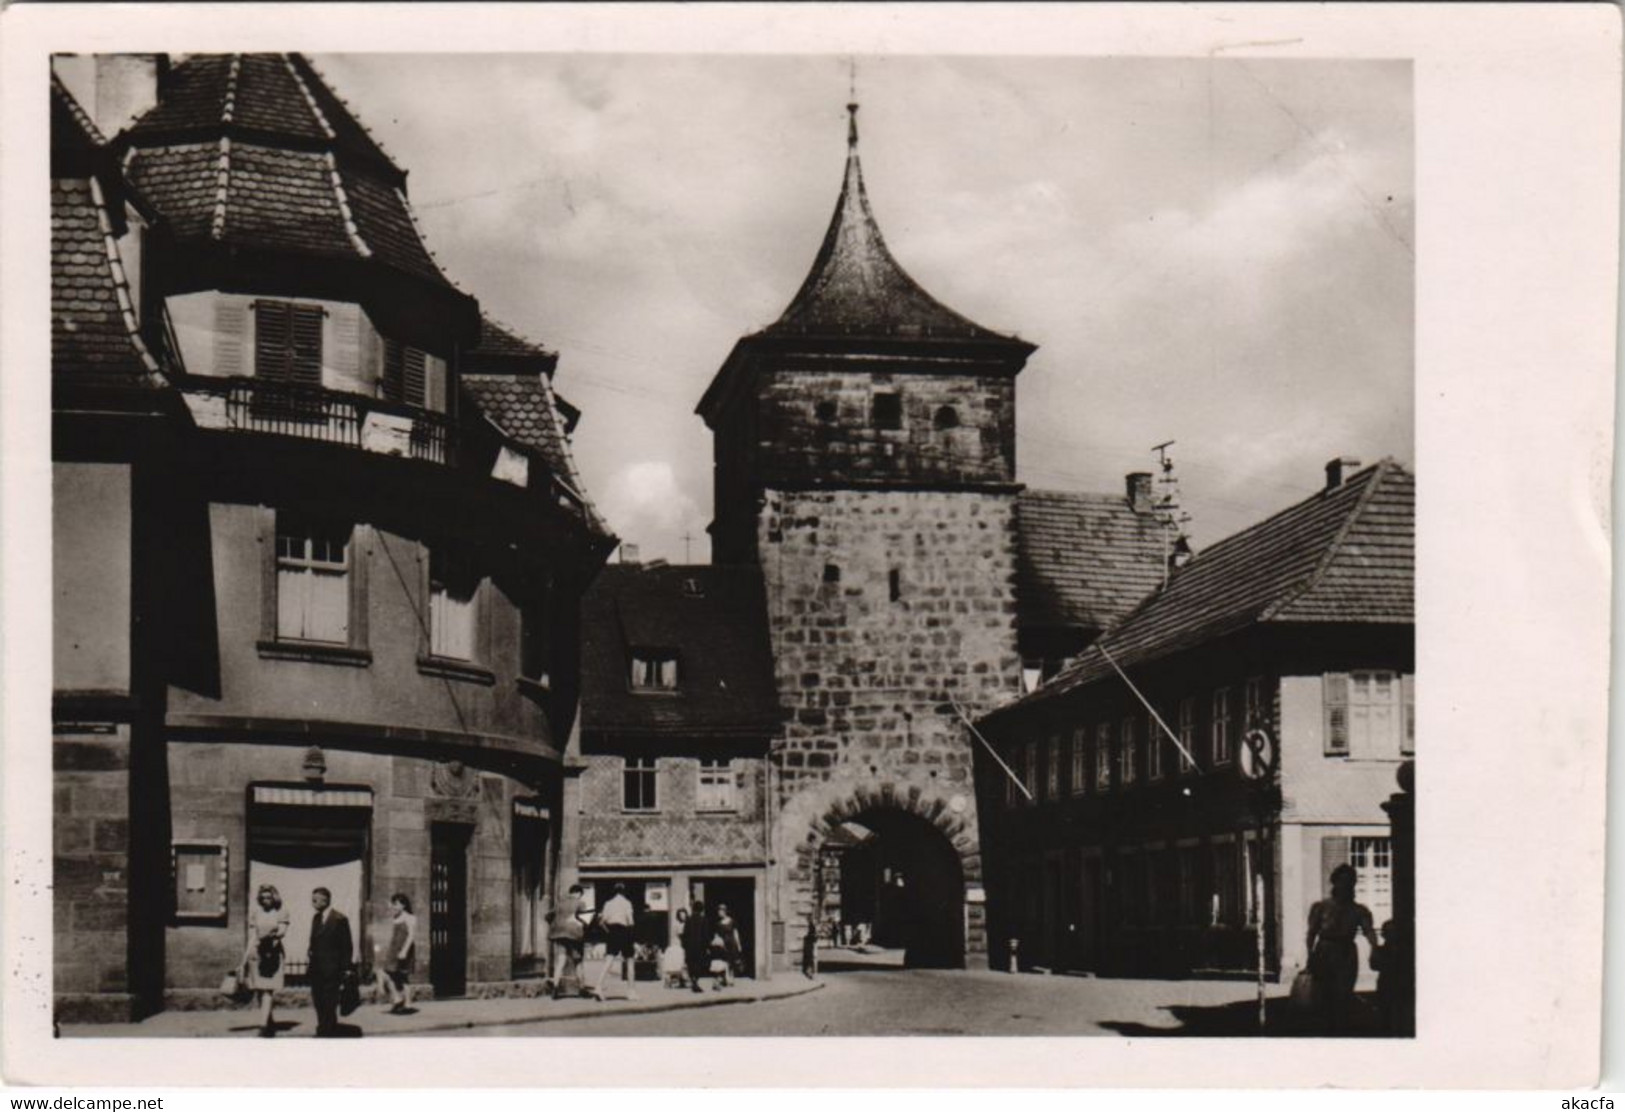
[(312, 580), (453, 587), (654, 670), (716, 788)]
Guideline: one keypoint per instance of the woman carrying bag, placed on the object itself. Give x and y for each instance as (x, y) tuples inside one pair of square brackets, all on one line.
[(263, 963)]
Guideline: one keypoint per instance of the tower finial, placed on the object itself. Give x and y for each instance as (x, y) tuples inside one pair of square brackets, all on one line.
[(852, 102)]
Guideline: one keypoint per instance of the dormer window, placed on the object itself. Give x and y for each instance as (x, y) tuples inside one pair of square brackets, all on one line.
[(654, 670)]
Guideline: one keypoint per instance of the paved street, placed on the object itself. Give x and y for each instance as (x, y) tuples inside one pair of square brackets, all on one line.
[(880, 1002)]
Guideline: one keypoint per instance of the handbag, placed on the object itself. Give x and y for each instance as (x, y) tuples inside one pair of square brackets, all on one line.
[(349, 991), (235, 987), (1302, 999)]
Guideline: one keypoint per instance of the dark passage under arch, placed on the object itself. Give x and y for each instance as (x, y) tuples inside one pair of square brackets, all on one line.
[(904, 880)]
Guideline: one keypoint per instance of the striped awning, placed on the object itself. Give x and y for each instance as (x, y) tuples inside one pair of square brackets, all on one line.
[(291, 796)]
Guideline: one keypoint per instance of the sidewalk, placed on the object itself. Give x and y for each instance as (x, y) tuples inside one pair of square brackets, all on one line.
[(445, 1015)]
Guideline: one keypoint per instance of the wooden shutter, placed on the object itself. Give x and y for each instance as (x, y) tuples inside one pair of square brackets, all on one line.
[(1334, 851), (305, 352), (343, 355), (230, 334), (405, 374), (273, 341), (1336, 689)]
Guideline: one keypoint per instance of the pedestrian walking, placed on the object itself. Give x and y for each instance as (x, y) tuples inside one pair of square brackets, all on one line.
[(331, 947), (619, 918), (1334, 959), (728, 932), (394, 972), (696, 940), (569, 934), (809, 948), (673, 966), (263, 960)]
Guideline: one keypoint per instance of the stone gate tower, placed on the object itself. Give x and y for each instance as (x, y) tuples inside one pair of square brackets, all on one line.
[(865, 458)]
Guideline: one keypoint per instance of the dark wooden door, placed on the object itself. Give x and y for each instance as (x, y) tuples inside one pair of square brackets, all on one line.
[(448, 910)]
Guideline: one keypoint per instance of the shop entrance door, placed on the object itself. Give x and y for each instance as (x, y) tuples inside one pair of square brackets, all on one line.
[(739, 894), (448, 909)]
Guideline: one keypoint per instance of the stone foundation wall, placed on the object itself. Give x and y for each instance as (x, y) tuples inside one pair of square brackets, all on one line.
[(90, 829)]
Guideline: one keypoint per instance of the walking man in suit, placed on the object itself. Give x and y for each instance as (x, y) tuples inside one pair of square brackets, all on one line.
[(331, 947)]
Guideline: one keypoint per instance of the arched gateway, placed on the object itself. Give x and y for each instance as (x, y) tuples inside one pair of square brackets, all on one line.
[(897, 859), (865, 460)]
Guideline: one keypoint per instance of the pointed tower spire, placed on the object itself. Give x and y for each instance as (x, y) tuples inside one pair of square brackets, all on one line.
[(855, 287)]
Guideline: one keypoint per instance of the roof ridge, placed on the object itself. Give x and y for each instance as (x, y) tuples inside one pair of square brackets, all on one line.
[(1379, 471), (423, 240), (354, 118), (310, 100), (515, 333), (351, 228)]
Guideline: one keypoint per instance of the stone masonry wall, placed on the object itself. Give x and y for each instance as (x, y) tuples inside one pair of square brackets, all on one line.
[(675, 834), (90, 867), (868, 679), (821, 423)]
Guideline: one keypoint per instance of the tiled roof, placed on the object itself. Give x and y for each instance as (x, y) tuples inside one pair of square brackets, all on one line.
[(503, 351), (718, 629), (856, 287), (517, 398), (1345, 555), (94, 337), (1083, 560), (254, 150)]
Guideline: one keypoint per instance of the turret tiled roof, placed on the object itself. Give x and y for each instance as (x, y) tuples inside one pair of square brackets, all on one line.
[(856, 287), (256, 151)]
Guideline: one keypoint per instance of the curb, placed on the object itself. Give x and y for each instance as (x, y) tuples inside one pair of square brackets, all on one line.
[(642, 1009)]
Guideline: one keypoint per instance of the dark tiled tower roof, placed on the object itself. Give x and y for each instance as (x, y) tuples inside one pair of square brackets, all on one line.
[(95, 340), (856, 287), (255, 151)]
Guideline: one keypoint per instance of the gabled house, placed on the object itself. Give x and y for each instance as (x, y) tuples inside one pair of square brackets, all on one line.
[(1130, 840), (678, 715)]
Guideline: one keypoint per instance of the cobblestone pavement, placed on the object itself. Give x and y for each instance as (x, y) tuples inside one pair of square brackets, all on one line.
[(880, 1002)]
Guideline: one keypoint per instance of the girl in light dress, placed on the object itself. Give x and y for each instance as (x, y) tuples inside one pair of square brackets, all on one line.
[(263, 958)]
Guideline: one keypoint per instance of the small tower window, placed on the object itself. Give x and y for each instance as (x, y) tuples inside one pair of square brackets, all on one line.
[(826, 411), (888, 411), (832, 573), (946, 418), (895, 584)]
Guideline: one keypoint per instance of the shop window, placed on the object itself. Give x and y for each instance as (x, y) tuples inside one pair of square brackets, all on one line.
[(640, 782), (717, 786), (1080, 760), (312, 580), (1373, 861), (654, 670), (288, 342), (1219, 726), (453, 587), (1228, 902), (1103, 757), (888, 411)]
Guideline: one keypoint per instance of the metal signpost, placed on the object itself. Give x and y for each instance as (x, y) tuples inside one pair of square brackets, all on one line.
[(1257, 760)]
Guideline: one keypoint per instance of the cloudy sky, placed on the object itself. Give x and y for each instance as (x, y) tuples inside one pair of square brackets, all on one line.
[(1215, 252)]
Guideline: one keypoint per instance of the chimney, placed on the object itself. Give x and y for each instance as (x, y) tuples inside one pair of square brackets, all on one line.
[(113, 88), (1139, 491), (629, 553), (1338, 471)]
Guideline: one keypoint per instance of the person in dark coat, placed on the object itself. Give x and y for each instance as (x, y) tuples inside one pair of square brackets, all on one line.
[(331, 949), (697, 945)]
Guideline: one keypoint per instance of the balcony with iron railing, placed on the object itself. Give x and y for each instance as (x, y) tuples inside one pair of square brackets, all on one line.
[(288, 409)]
